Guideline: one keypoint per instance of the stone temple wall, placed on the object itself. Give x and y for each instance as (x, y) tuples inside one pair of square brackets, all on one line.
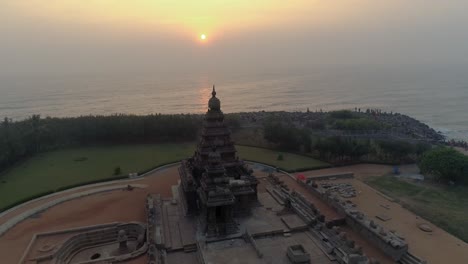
[(85, 238), (335, 243), (99, 237), (389, 242)]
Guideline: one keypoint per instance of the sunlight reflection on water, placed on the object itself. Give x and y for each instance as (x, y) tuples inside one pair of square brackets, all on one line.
[(437, 98)]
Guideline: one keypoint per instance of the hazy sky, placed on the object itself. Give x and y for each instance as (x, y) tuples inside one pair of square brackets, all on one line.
[(73, 36)]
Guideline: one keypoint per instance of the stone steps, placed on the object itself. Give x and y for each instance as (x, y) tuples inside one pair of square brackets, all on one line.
[(190, 248), (100, 237), (409, 258)]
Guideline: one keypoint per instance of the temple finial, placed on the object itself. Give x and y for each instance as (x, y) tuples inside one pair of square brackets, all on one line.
[(214, 91)]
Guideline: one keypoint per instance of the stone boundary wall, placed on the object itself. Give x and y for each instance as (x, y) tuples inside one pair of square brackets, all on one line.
[(344, 175), (78, 229), (96, 234), (100, 236), (155, 234), (332, 240), (254, 244), (390, 243), (200, 257)]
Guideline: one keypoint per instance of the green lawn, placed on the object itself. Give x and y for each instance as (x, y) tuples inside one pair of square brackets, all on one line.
[(447, 207), (52, 170), (56, 169), (290, 161)]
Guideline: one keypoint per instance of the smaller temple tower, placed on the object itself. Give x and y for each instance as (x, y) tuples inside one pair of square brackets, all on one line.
[(215, 183)]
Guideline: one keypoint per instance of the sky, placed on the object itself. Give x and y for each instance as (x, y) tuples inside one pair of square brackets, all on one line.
[(76, 36)]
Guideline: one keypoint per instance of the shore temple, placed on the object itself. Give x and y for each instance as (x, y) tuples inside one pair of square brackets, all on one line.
[(215, 183), (220, 211)]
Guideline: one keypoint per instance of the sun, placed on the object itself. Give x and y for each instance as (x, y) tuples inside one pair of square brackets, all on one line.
[(202, 36)]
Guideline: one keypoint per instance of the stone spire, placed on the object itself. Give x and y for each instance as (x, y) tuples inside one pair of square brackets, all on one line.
[(214, 103), (206, 177)]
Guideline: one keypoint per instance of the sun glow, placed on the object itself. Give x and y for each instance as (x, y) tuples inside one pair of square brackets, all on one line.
[(182, 16)]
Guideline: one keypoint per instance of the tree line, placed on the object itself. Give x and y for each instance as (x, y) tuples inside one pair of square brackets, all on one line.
[(22, 139), (340, 150)]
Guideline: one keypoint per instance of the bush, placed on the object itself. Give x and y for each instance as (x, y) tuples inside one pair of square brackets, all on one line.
[(341, 114), (397, 150), (316, 124), (280, 157), (357, 124), (287, 136), (445, 164), (117, 170)]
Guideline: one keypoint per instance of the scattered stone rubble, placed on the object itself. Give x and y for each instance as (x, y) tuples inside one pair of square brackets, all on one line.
[(334, 242), (402, 126), (345, 190), (391, 243)]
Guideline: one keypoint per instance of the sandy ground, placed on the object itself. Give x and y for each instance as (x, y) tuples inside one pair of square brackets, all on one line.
[(123, 206), (436, 247)]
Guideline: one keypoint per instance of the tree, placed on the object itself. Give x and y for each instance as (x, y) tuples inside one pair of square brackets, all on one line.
[(342, 114), (396, 150), (286, 135), (445, 164), (280, 156)]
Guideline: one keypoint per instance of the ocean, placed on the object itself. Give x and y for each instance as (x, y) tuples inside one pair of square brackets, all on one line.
[(436, 96)]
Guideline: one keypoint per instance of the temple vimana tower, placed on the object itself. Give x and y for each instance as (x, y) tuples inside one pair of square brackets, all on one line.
[(215, 184)]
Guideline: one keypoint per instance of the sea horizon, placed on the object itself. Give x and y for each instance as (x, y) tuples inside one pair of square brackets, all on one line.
[(434, 96)]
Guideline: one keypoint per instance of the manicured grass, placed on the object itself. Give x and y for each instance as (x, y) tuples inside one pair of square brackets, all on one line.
[(51, 171), (290, 161), (447, 207)]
